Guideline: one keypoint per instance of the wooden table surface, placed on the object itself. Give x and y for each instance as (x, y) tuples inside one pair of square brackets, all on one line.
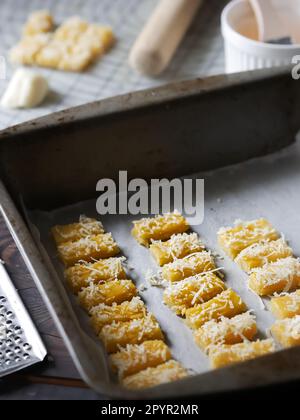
[(57, 377)]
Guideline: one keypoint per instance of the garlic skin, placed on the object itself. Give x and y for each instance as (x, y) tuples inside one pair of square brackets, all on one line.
[(26, 89)]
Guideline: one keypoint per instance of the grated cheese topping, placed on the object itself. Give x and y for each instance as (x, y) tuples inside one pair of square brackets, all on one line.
[(178, 246), (242, 351), (192, 290), (164, 373), (216, 307), (89, 244), (103, 314), (283, 270), (107, 268), (234, 239), (159, 227), (113, 291), (290, 327), (215, 332), (137, 328), (261, 253), (202, 260), (137, 356), (155, 279), (74, 231), (290, 301)]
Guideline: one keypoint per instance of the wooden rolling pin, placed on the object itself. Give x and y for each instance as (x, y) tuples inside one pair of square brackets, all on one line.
[(156, 45)]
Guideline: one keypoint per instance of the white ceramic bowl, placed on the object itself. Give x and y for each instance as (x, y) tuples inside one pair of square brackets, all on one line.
[(239, 30)]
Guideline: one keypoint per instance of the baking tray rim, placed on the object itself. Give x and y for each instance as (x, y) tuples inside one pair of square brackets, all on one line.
[(143, 98)]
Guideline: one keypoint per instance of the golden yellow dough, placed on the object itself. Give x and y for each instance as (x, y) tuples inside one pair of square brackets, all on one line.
[(136, 357), (126, 311), (191, 291), (227, 304), (286, 305), (193, 264), (80, 275), (234, 239), (74, 231), (88, 249), (26, 51), (115, 291), (40, 21), (226, 354), (167, 372), (159, 227), (226, 331), (261, 253), (280, 276), (178, 246), (119, 334), (287, 331)]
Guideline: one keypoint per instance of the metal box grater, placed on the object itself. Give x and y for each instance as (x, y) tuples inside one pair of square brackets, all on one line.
[(175, 130), (20, 343)]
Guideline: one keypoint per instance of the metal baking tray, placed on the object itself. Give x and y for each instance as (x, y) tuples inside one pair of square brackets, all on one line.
[(186, 128)]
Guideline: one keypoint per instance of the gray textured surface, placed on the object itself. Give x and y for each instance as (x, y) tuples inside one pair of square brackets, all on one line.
[(201, 53)]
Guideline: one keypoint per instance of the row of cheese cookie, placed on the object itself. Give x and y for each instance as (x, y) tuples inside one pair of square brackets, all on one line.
[(130, 334), (196, 292), (260, 251)]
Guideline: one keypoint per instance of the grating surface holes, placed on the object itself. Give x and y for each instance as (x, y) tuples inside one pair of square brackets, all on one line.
[(14, 348)]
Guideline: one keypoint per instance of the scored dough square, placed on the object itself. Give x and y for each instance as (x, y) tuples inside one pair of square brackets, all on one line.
[(71, 29), (40, 21), (226, 331), (119, 334), (26, 51), (51, 54), (189, 266), (63, 55), (74, 231), (73, 46), (287, 331), (280, 276), (178, 246), (191, 291), (136, 357), (166, 372), (115, 291), (76, 60), (80, 275), (234, 239), (96, 39), (227, 304), (88, 249), (286, 306), (126, 311), (159, 228), (226, 354), (261, 253)]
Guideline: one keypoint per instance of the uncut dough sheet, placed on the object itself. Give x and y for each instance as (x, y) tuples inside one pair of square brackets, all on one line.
[(264, 187)]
